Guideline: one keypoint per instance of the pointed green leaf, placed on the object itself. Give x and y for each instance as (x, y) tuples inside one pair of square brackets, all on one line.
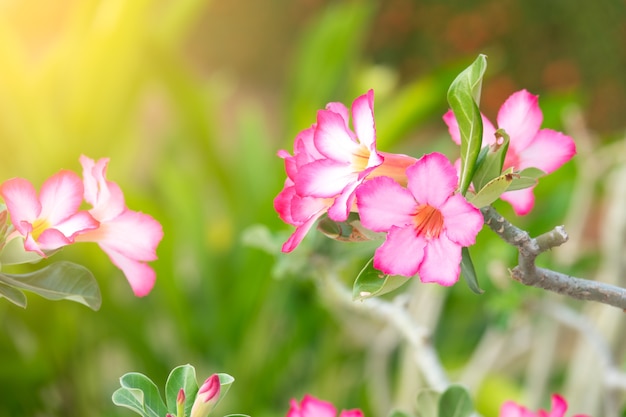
[(455, 402), (463, 98), (12, 294), (225, 383), (184, 377), (468, 271), (371, 282), (526, 178), (150, 400), (493, 161), (428, 403), (492, 190), (61, 280), (349, 231), (130, 398)]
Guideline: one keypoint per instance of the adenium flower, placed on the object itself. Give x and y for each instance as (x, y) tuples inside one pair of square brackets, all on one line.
[(559, 407), (329, 162), (129, 238), (312, 407), (50, 220), (529, 146), (427, 223), (207, 397)]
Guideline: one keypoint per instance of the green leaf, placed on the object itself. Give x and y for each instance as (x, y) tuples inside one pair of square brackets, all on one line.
[(398, 413), (12, 294), (61, 280), (463, 98), (526, 178), (13, 253), (141, 395), (428, 403), (492, 190), (455, 402), (493, 161), (349, 231), (183, 376), (225, 383), (468, 271), (371, 282)]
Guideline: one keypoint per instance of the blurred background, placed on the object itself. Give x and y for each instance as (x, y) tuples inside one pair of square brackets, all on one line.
[(192, 99)]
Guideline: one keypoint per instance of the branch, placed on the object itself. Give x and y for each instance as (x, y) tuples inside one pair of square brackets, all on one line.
[(529, 274)]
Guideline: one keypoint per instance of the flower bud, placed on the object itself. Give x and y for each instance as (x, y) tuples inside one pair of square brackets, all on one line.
[(180, 403), (207, 397)]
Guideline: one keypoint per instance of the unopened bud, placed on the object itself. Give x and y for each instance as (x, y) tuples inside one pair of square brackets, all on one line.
[(207, 397)]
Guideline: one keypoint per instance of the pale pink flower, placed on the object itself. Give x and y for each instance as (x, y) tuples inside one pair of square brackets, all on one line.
[(427, 223), (129, 238), (51, 219), (312, 407), (559, 407), (207, 397), (529, 146)]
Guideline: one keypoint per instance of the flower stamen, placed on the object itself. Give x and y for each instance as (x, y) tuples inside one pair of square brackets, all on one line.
[(428, 221)]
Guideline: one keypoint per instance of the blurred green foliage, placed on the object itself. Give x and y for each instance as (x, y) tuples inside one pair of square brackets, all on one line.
[(196, 149)]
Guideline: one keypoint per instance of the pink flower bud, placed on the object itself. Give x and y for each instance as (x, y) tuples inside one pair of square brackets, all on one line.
[(180, 399), (207, 397)]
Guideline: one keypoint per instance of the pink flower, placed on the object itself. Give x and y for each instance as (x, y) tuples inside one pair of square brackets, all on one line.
[(329, 163), (50, 220), (129, 238), (312, 407), (559, 407), (529, 146), (207, 397), (427, 224)]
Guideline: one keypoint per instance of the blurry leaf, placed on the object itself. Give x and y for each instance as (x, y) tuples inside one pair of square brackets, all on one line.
[(371, 282), (12, 294), (61, 280), (398, 413), (526, 178), (13, 253), (455, 402), (428, 403), (492, 163), (492, 190), (140, 394), (463, 97), (184, 377), (468, 271), (259, 236), (349, 231)]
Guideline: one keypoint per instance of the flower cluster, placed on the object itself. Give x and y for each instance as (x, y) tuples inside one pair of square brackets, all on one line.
[(53, 218), (416, 203), (559, 407)]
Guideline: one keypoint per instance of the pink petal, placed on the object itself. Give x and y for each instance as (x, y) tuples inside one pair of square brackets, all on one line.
[(351, 413), (510, 409), (140, 276), (521, 118), (77, 223), (311, 407), (283, 201), (363, 119), (401, 253), (547, 151), (106, 197), (442, 262), (323, 178), (50, 239), (32, 246), (342, 206), (21, 200), (453, 128), (432, 179), (341, 110), (333, 139), (61, 195), (383, 203), (303, 208), (462, 221), (304, 147), (522, 201), (559, 406), (301, 231)]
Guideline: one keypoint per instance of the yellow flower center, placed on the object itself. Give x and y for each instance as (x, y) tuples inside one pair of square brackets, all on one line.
[(38, 227), (428, 221), (360, 159)]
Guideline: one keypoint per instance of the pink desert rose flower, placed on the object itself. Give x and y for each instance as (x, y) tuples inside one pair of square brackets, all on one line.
[(529, 146), (329, 162), (559, 407), (312, 407), (129, 238), (51, 219), (427, 224), (207, 397)]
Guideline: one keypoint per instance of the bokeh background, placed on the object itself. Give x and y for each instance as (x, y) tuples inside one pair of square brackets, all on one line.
[(191, 100)]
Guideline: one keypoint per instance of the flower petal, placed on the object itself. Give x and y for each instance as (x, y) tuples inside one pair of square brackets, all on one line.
[(139, 275), (432, 179), (363, 120), (21, 199), (301, 231), (341, 110), (510, 409), (559, 406), (323, 178), (521, 118), (462, 221), (522, 201), (106, 197), (453, 128), (442, 262), (333, 139), (61, 195), (311, 407), (547, 151), (342, 206), (351, 413), (383, 203), (401, 253), (73, 225), (49, 239)]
